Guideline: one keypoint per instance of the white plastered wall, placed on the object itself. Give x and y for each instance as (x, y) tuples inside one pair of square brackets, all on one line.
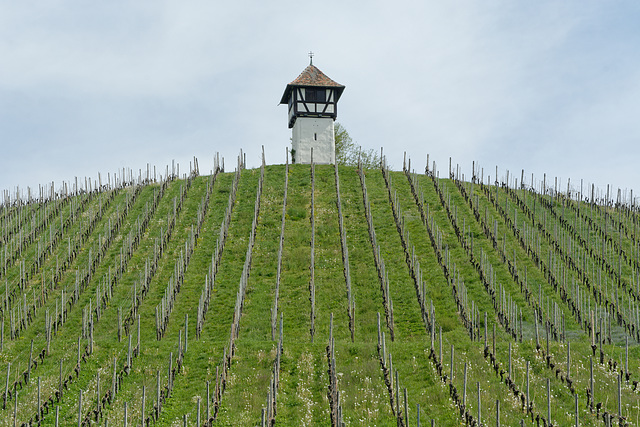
[(316, 133)]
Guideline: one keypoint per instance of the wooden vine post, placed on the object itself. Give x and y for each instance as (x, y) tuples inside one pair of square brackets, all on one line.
[(312, 286)]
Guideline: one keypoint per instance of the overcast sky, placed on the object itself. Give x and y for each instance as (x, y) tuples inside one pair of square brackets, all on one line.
[(547, 86)]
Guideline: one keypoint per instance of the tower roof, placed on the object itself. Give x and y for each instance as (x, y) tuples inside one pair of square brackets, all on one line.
[(311, 76)]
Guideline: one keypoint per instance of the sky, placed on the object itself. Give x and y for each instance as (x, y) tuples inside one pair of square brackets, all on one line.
[(549, 87)]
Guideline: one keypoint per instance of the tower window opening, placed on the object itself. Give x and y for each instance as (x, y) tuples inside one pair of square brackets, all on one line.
[(315, 136), (315, 95)]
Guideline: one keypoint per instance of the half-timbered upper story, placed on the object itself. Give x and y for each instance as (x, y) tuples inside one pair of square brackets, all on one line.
[(312, 94)]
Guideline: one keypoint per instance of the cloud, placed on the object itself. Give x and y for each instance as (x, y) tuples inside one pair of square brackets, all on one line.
[(87, 88)]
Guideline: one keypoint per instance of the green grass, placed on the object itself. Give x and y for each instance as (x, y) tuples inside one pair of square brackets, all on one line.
[(302, 394)]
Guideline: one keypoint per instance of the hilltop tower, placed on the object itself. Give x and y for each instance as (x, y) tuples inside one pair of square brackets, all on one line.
[(313, 107)]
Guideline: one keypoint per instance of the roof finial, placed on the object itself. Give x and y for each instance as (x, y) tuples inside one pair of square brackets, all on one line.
[(310, 58)]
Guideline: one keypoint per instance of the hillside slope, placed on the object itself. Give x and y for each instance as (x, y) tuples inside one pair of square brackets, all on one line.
[(309, 296)]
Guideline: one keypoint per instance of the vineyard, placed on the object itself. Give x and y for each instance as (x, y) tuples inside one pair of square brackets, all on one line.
[(319, 295)]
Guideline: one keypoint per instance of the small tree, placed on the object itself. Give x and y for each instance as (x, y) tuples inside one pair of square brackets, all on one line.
[(347, 152)]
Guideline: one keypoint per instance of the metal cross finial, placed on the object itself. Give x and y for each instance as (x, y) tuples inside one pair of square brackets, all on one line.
[(310, 58)]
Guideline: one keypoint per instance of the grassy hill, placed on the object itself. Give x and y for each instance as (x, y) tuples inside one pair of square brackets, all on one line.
[(303, 295)]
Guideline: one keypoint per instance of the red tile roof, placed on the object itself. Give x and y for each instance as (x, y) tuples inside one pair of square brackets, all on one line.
[(311, 76)]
